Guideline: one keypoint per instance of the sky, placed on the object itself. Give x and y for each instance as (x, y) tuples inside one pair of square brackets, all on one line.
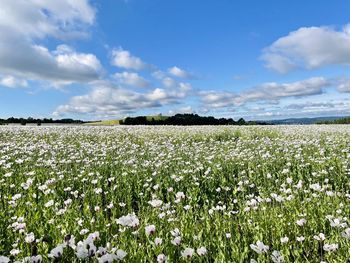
[(96, 60)]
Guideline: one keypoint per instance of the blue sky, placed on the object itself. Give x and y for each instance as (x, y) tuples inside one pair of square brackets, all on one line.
[(115, 58)]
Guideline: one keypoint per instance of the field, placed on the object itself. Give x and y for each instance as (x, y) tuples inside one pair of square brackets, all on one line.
[(175, 194), (116, 122)]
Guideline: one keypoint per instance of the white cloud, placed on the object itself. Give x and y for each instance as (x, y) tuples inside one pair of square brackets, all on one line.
[(309, 47), (38, 63), (217, 99), (41, 18), (158, 74), (169, 82), (123, 59), (178, 72), (23, 24), (344, 85), (181, 110), (271, 92), (276, 91), (12, 82), (320, 108), (132, 79), (108, 100)]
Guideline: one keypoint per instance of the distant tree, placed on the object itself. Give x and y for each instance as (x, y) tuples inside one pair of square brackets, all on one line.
[(241, 121), (183, 119)]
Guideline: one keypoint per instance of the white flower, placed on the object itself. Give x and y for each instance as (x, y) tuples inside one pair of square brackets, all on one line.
[(129, 220), (277, 257), (176, 232), (92, 249), (70, 241), (56, 252), (98, 190), (180, 195), (82, 251), (201, 251), (346, 233), (155, 203), (161, 258), (107, 258), (284, 240), (101, 251), (300, 239), (337, 222), (301, 222), (176, 241), (120, 254), (330, 247), (49, 203), (84, 231), (15, 252), (259, 247), (30, 238), (4, 259), (320, 237), (316, 187), (92, 237), (187, 207), (158, 241), (151, 229), (36, 259), (228, 235), (187, 253), (68, 201)]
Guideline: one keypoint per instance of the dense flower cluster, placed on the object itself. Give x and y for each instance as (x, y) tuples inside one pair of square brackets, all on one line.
[(170, 194)]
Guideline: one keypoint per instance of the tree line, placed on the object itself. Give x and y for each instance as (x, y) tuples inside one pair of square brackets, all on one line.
[(345, 120), (24, 121), (185, 119)]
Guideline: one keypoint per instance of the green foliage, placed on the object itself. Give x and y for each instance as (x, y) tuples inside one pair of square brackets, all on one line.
[(345, 120), (223, 188)]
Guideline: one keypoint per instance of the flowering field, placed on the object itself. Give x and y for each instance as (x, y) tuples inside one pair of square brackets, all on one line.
[(171, 194)]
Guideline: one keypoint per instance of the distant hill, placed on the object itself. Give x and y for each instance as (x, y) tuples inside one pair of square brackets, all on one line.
[(304, 120)]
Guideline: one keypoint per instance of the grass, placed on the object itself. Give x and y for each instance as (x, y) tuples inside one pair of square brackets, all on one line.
[(116, 122), (217, 189), (108, 122)]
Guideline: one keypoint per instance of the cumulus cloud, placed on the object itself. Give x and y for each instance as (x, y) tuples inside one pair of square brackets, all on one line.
[(12, 82), (181, 110), (158, 74), (270, 92), (309, 47), (332, 107), (132, 79), (344, 85), (23, 24), (123, 59), (169, 82), (178, 72), (40, 18), (276, 91), (217, 99), (36, 62), (109, 100)]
